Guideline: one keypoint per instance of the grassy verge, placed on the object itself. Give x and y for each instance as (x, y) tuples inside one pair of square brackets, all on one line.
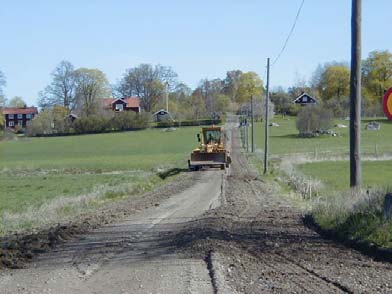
[(47, 180), (317, 170), (359, 218)]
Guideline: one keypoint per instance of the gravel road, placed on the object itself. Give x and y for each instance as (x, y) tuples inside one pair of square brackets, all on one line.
[(227, 232)]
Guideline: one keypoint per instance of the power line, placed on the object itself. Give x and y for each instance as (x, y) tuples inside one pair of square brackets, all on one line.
[(290, 33)]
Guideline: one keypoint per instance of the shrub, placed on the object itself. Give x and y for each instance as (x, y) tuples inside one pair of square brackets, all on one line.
[(313, 119), (187, 123), (129, 120), (49, 122), (91, 124)]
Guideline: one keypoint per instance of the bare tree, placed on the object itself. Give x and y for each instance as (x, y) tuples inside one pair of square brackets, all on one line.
[(61, 90), (148, 83), (3, 83)]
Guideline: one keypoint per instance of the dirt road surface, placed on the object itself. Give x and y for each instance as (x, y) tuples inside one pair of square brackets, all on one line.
[(228, 232)]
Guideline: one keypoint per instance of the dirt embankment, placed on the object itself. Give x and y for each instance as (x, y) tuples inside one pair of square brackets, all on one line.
[(17, 249)]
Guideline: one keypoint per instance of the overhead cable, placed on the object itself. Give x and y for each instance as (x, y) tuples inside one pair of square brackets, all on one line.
[(290, 33)]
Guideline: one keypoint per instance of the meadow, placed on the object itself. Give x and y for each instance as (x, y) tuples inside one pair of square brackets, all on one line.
[(325, 159), (284, 139), (37, 171), (331, 154)]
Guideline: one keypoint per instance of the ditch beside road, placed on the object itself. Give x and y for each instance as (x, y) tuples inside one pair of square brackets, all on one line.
[(228, 232)]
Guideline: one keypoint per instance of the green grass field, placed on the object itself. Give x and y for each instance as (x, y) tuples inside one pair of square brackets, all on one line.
[(34, 171), (104, 152), (284, 139), (350, 218), (335, 174)]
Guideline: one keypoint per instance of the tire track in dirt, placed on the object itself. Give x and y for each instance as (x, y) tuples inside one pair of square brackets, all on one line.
[(263, 246)]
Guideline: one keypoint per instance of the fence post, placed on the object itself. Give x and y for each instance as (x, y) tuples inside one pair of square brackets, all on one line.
[(387, 206)]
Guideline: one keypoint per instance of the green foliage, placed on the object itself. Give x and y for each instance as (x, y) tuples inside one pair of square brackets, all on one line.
[(188, 123), (56, 121), (91, 85), (222, 102), (283, 102), (312, 119), (377, 74), (231, 83), (49, 122), (16, 102), (91, 124), (333, 81), (361, 218), (250, 84)]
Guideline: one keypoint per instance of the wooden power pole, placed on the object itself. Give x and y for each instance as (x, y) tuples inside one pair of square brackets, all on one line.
[(355, 97), (252, 122), (266, 130)]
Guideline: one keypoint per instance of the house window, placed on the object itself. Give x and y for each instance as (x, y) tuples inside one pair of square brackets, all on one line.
[(20, 123), (29, 116), (11, 124), (119, 107), (20, 116), (11, 116)]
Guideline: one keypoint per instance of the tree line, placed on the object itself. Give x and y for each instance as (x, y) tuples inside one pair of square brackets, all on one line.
[(330, 83), (81, 90)]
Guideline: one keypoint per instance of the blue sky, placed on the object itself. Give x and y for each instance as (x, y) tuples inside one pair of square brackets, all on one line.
[(198, 38)]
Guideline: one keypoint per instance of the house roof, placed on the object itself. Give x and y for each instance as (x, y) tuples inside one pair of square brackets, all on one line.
[(132, 102), (305, 98), (20, 110)]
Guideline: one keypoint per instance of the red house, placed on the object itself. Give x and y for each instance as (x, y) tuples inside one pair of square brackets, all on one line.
[(122, 104), (18, 116)]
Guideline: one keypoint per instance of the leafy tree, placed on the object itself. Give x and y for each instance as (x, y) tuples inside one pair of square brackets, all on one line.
[(16, 102), (283, 101), (249, 85), (91, 86), (222, 102), (231, 83), (148, 83), (49, 121), (332, 81), (61, 90), (377, 74), (197, 105)]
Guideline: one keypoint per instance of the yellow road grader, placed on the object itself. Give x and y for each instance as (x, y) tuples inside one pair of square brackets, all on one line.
[(211, 152)]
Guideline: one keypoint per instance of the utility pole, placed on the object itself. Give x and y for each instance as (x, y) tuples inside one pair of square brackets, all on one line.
[(252, 122), (247, 132), (266, 129), (167, 96), (355, 97)]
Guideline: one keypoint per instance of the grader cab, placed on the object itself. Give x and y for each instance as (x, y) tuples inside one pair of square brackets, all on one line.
[(211, 152)]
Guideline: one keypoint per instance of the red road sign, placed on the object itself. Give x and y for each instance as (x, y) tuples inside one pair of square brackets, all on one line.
[(387, 104)]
